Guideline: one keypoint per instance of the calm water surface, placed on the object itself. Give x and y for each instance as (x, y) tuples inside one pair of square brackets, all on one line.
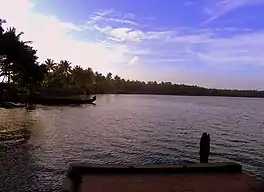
[(37, 147)]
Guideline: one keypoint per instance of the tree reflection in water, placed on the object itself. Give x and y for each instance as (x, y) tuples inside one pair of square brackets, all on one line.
[(16, 163)]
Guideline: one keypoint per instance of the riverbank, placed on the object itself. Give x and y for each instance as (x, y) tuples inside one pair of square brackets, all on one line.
[(44, 96), (49, 96), (11, 93)]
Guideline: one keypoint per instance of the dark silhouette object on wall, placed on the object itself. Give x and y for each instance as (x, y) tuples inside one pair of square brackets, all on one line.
[(204, 148)]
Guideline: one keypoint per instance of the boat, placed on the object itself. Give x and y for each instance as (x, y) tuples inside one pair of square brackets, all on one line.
[(93, 99), (226, 176), (64, 101), (11, 105)]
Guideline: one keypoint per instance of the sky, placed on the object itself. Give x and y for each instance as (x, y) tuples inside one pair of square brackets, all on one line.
[(210, 43)]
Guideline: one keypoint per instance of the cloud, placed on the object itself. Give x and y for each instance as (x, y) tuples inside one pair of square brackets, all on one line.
[(240, 49), (53, 38), (125, 34), (181, 46), (222, 7), (130, 16), (160, 35), (104, 12), (134, 61), (122, 34), (111, 16), (222, 49), (71, 26), (188, 3)]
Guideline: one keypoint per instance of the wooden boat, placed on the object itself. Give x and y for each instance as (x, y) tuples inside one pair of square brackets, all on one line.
[(11, 105), (64, 101)]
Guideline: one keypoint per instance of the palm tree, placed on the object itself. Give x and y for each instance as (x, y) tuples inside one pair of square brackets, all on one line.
[(50, 65), (89, 75), (117, 84), (1, 28), (109, 81), (65, 67), (19, 62), (78, 78), (109, 76), (12, 31), (12, 51)]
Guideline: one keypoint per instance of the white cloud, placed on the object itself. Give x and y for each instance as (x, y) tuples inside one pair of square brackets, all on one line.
[(188, 3), (52, 38), (126, 34), (237, 48), (104, 12), (122, 21), (244, 49), (121, 34), (134, 61), (111, 16), (71, 27), (198, 46), (160, 35), (222, 7), (130, 16), (192, 38)]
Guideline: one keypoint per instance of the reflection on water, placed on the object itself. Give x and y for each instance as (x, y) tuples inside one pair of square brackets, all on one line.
[(14, 126), (15, 160), (37, 147)]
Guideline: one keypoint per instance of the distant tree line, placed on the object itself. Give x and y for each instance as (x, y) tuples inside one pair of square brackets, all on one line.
[(19, 67), (62, 75)]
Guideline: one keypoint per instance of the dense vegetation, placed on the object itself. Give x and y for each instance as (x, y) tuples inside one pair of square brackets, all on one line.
[(18, 62), (62, 75), (19, 67)]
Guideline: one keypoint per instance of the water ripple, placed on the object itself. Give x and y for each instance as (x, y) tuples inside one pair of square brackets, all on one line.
[(37, 147)]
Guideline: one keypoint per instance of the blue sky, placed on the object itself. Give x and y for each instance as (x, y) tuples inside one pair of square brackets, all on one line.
[(212, 43)]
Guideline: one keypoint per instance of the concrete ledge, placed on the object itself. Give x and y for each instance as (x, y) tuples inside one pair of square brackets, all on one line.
[(77, 171)]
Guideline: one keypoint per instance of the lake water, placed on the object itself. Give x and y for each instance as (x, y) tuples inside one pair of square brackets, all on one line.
[(37, 147)]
